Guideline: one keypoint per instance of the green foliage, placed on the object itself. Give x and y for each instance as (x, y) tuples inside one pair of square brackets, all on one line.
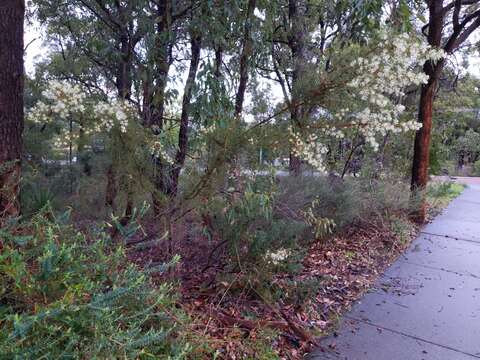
[(299, 292), (387, 197), (269, 226), (476, 168), (321, 226), (436, 160), (348, 201), (247, 222), (68, 295), (402, 228), (468, 146), (262, 345), (455, 128), (441, 193), (35, 198), (333, 199)]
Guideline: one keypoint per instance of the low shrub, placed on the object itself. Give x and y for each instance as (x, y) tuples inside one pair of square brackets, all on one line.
[(440, 193), (66, 294), (346, 201), (476, 168), (269, 229), (386, 197), (402, 228), (249, 226), (335, 198), (35, 197)]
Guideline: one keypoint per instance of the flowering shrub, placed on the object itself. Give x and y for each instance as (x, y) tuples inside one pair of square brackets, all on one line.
[(248, 225), (276, 257), (69, 107), (369, 101), (79, 118)]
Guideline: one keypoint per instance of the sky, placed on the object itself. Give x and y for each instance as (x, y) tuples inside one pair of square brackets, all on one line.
[(35, 50), (33, 41), (474, 67)]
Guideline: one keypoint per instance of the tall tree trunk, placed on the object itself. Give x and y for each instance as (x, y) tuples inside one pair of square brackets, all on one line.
[(123, 83), (11, 105), (163, 46), (425, 111), (124, 70), (111, 190), (297, 12), (421, 154), (244, 57), (195, 43), (162, 61), (294, 165), (218, 62)]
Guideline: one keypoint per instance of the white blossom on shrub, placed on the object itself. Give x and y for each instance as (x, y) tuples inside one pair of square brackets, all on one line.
[(158, 149), (69, 104), (378, 83), (310, 150), (278, 256), (110, 114)]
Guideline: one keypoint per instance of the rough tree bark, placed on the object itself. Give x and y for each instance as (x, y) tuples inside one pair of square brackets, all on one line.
[(463, 26), (11, 105), (123, 83), (162, 59), (296, 41), (156, 108), (421, 152), (218, 62), (195, 45), (244, 56)]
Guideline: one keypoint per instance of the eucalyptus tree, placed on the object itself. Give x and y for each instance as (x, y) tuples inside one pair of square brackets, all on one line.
[(128, 46), (195, 35), (450, 24), (12, 14), (104, 33), (246, 53), (94, 44)]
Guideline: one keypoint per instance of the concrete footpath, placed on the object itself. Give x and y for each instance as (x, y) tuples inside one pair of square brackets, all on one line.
[(427, 304)]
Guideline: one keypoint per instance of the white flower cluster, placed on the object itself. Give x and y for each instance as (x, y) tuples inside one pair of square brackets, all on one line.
[(65, 138), (111, 114), (207, 130), (159, 150), (66, 103), (378, 84), (64, 98), (309, 149), (381, 81), (278, 256), (159, 146)]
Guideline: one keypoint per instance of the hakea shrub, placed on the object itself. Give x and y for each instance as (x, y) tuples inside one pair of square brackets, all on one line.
[(64, 294), (363, 97)]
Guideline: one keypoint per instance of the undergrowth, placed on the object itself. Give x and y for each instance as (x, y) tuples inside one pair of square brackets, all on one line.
[(288, 247), (65, 294), (440, 193)]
